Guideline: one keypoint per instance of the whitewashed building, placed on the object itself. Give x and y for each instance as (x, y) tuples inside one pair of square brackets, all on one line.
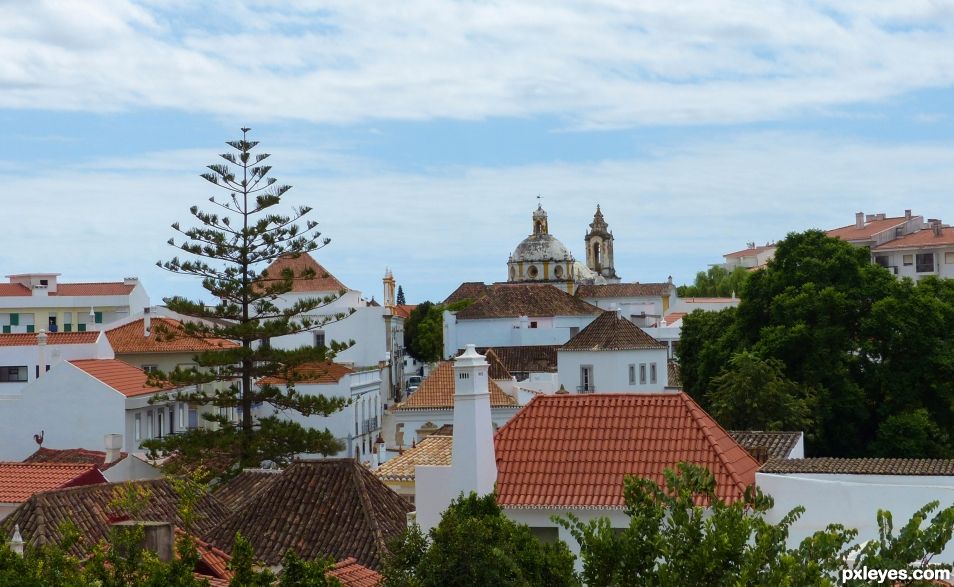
[(928, 252), (613, 355), (24, 357)]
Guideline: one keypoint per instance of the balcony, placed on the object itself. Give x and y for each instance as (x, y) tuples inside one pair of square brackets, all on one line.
[(585, 389)]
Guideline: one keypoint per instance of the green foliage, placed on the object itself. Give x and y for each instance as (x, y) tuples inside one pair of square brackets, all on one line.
[(424, 330), (682, 534), (400, 296), (228, 248), (45, 566), (874, 351), (753, 394), (475, 544), (715, 282)]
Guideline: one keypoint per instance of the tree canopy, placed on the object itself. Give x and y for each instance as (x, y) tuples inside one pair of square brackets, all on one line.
[(230, 249), (871, 352), (717, 281), (424, 330)]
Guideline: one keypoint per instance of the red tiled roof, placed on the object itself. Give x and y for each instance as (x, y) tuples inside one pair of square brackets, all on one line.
[(525, 359), (869, 466), (72, 455), (574, 450), (777, 444), (14, 290), (213, 563), (322, 281), (111, 288), (18, 481), (29, 338), (510, 300), (670, 319), (351, 574), (921, 239), (437, 392), (123, 377), (237, 492), (749, 251), (611, 332), (404, 310), (624, 290), (469, 290), (867, 232), (312, 373), (166, 335)]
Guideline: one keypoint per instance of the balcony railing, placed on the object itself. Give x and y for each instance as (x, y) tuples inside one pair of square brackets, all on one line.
[(585, 389)]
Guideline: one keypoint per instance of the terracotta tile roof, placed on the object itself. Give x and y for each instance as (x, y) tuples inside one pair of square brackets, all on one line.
[(12, 290), (674, 377), (432, 450), (750, 252), (624, 290), (497, 369), (837, 466), (469, 290), (18, 481), (123, 377), (237, 492), (437, 392), (29, 338), (672, 318), (778, 445), (329, 507), (352, 574), (868, 231), (525, 359), (313, 373), (321, 282), (611, 332), (166, 335), (117, 288), (511, 300), (709, 300), (574, 450), (921, 239), (445, 430), (73, 455), (42, 516), (213, 562), (404, 310)]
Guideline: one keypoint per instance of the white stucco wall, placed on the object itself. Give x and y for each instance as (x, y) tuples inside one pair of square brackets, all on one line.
[(896, 260), (854, 501), (509, 331), (29, 356), (611, 370)]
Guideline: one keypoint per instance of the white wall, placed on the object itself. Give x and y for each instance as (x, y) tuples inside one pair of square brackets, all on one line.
[(854, 501), (415, 419), (611, 370), (72, 409), (633, 308), (29, 356), (488, 332), (941, 267)]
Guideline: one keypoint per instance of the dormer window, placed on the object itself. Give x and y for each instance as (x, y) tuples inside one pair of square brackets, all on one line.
[(44, 282)]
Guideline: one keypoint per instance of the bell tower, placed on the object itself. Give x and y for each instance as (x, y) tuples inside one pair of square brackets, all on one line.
[(599, 248)]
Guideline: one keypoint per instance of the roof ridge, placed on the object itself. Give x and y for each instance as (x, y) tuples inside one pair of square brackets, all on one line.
[(368, 507), (696, 412)]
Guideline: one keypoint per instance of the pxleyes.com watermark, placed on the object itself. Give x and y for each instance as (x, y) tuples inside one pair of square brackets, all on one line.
[(892, 575)]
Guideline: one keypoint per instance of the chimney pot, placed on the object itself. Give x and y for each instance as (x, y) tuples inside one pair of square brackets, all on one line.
[(859, 219), (907, 214), (114, 445)]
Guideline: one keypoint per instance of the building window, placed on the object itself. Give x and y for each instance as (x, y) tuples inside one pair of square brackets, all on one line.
[(98, 317), (632, 374), (183, 423), (44, 282), (81, 328), (949, 258), (463, 375), (574, 330), (159, 423), (319, 338), (67, 321), (586, 379), (925, 263), (882, 260), (8, 374), (149, 424), (907, 260), (652, 372), (533, 272), (14, 319), (642, 374), (558, 271), (533, 324), (138, 427), (150, 368)]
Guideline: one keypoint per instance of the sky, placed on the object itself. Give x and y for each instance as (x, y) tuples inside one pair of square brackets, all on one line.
[(422, 132)]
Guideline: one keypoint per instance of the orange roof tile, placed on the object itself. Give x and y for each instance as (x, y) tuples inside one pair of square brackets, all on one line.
[(29, 338), (129, 338), (624, 290), (866, 232), (921, 239), (510, 300), (574, 450), (111, 288), (322, 281), (749, 251), (73, 455), (18, 481), (213, 562), (611, 332), (312, 373), (14, 290), (123, 377), (352, 574), (432, 450), (437, 392), (673, 317), (404, 310)]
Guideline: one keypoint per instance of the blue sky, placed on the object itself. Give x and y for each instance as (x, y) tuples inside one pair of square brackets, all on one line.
[(421, 132)]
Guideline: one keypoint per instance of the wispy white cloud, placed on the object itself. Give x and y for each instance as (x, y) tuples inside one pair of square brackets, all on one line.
[(672, 212), (597, 63)]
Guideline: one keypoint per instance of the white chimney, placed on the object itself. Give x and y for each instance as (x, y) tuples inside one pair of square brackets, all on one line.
[(473, 460), (114, 447), (41, 348), (859, 219), (146, 322), (16, 541)]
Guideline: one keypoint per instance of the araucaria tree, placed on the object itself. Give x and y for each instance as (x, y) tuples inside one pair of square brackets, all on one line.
[(230, 250)]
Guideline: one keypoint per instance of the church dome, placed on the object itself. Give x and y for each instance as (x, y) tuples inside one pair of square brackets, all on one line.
[(540, 247)]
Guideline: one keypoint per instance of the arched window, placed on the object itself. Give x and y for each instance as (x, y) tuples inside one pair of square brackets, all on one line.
[(597, 254), (533, 271)]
